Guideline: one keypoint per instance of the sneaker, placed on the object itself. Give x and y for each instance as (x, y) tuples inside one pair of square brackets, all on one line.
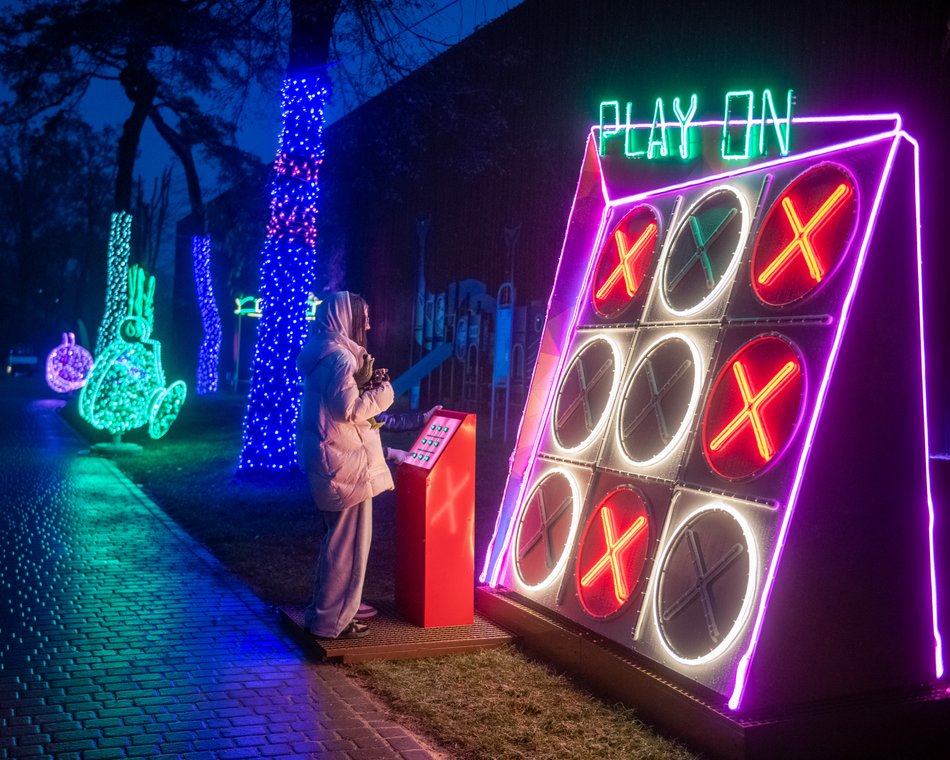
[(355, 630), (365, 612)]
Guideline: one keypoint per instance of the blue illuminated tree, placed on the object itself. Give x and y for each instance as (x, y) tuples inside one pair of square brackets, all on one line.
[(288, 259), (319, 29)]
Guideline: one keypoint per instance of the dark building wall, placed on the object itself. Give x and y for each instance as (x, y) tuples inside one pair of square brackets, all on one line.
[(491, 133)]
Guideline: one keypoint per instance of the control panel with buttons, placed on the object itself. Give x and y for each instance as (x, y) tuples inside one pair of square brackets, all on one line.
[(432, 441)]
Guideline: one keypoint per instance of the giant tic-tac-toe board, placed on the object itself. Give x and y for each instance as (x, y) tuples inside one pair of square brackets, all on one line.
[(722, 465)]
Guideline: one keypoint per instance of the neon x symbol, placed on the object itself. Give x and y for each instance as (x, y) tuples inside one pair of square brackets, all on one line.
[(449, 504), (701, 254), (704, 579), (802, 241), (544, 531), (582, 396), (613, 557), (656, 397), (752, 407), (629, 256)]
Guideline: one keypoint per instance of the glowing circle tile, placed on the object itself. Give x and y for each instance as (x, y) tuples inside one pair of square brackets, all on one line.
[(546, 529), (753, 408), (805, 236), (585, 393), (624, 261), (704, 250), (705, 585), (657, 406), (612, 552)]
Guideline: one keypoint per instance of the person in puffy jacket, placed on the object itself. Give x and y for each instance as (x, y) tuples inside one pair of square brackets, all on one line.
[(342, 455)]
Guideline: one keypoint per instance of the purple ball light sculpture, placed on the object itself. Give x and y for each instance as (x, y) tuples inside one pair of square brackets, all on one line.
[(68, 365)]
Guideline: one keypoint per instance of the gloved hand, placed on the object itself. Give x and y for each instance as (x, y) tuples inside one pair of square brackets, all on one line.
[(428, 415), (365, 373), (395, 455)]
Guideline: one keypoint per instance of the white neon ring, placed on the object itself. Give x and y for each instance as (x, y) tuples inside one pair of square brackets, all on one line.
[(730, 272), (558, 568), (698, 373), (615, 383), (747, 602)]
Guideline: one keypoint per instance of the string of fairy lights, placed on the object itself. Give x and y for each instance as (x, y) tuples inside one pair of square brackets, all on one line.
[(210, 348), (117, 270), (286, 275)]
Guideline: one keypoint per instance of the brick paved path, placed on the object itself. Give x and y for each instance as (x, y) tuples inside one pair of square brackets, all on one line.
[(121, 637)]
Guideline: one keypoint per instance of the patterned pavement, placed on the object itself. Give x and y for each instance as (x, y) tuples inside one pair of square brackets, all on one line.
[(121, 637)]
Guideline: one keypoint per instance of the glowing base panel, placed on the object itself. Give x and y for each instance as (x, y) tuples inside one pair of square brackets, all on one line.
[(707, 372)]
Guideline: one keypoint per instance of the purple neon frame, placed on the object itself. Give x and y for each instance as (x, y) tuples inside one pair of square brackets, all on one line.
[(491, 573)]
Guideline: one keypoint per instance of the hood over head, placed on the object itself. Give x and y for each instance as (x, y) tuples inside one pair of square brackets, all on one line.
[(331, 327)]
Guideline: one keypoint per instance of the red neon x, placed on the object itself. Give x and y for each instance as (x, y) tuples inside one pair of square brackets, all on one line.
[(803, 232), (752, 406), (628, 260), (448, 506), (613, 557)]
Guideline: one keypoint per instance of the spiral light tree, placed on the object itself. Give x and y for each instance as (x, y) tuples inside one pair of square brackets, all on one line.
[(210, 319)]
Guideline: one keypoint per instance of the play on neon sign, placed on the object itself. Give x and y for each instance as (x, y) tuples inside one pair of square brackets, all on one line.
[(751, 124)]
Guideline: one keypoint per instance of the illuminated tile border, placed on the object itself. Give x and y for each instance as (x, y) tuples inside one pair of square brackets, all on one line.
[(495, 560), (742, 669)]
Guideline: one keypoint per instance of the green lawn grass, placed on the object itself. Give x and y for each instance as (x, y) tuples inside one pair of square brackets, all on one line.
[(493, 704)]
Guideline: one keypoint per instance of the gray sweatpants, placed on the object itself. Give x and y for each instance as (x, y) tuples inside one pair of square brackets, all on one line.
[(341, 569)]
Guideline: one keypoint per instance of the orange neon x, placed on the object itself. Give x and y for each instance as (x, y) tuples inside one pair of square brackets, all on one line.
[(752, 406), (628, 260), (803, 232), (613, 556)]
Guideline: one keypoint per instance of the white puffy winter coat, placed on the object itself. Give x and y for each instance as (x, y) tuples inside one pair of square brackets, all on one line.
[(336, 445)]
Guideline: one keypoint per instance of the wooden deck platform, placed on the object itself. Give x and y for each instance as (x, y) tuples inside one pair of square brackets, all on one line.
[(391, 638)]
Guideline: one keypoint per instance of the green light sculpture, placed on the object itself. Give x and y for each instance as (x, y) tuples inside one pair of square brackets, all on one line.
[(117, 278), (126, 388)]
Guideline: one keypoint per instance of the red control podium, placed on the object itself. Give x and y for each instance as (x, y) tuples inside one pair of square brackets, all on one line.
[(435, 520)]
